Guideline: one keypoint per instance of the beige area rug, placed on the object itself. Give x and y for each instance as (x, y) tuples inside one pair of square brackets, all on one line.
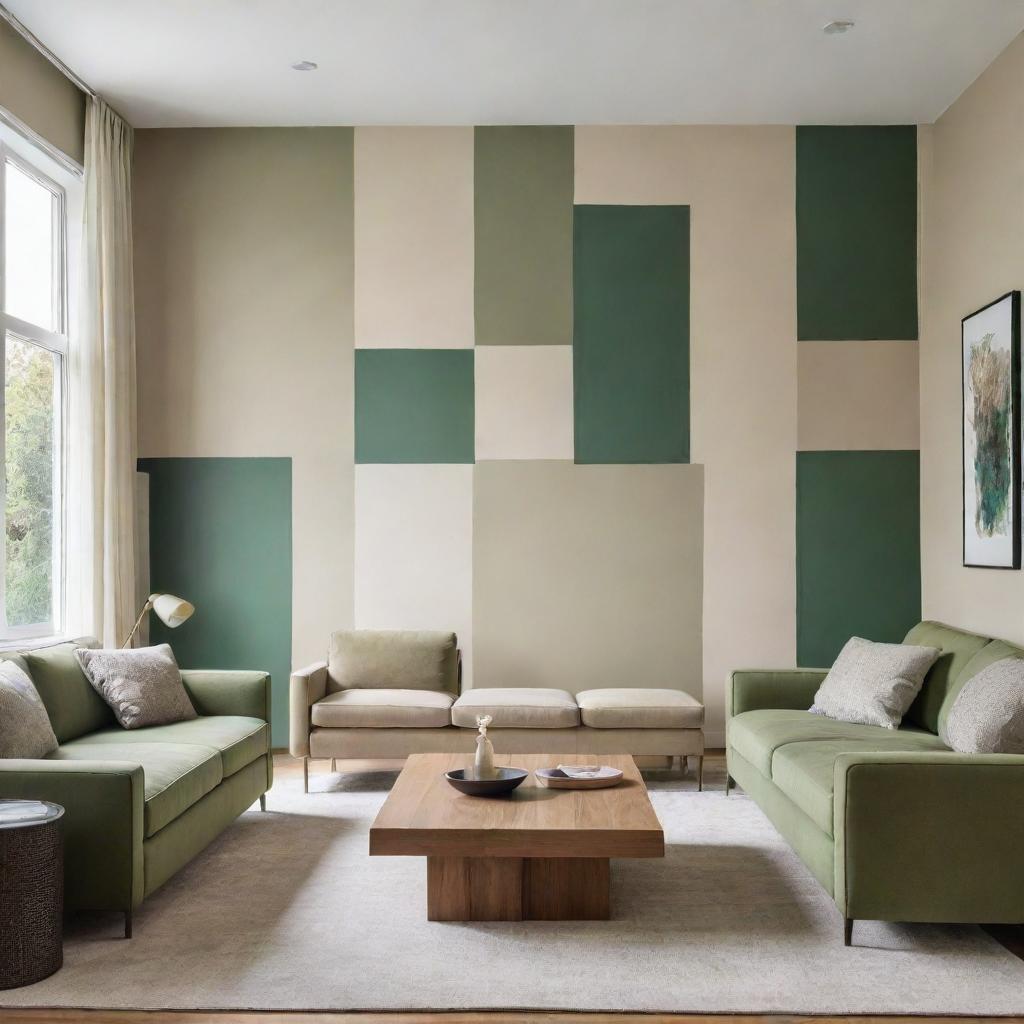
[(287, 911)]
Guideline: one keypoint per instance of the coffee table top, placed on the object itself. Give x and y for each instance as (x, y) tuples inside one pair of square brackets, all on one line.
[(425, 816)]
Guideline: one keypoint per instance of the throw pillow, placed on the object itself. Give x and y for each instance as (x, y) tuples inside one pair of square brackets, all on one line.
[(987, 716), (872, 683), (25, 729), (142, 686)]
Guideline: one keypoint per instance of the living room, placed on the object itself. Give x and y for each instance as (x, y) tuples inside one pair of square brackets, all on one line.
[(513, 510)]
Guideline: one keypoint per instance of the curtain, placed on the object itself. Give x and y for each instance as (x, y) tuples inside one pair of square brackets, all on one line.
[(101, 507)]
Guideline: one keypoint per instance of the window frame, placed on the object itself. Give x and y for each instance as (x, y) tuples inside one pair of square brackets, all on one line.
[(57, 343)]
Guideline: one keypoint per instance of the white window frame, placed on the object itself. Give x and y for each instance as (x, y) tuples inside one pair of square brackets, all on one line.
[(55, 342)]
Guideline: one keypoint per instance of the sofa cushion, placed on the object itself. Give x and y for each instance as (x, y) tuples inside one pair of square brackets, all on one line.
[(625, 708), (756, 735), (383, 709), (958, 647), (238, 739), (393, 659), (517, 708), (177, 775), (805, 771), (74, 707)]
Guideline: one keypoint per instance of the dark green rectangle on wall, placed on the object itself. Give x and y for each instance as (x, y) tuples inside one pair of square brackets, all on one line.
[(858, 549), (523, 192), (220, 536), (631, 341), (856, 232)]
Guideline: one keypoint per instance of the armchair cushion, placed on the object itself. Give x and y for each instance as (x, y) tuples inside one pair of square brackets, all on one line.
[(383, 709), (393, 660)]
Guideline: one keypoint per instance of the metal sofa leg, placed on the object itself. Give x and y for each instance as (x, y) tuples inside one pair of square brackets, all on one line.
[(700, 774), (127, 924), (263, 802), (305, 775), (334, 764), (683, 764), (847, 931)]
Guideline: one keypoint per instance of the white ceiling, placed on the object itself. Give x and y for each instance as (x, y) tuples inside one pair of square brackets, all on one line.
[(227, 62)]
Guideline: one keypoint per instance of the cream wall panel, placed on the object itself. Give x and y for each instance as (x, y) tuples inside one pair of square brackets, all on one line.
[(739, 184), (973, 226), (414, 550), (243, 272), (858, 395), (524, 402), (414, 237), (587, 576)]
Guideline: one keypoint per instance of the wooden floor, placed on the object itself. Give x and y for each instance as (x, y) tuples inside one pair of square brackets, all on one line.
[(284, 766)]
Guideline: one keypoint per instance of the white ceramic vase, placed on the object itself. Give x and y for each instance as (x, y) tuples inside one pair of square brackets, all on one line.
[(483, 766)]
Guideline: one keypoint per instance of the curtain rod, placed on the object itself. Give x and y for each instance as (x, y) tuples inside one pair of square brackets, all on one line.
[(43, 49)]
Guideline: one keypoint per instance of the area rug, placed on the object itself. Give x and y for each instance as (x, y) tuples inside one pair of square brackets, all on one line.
[(287, 911)]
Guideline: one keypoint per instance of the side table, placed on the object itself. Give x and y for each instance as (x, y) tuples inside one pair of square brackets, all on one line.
[(31, 891)]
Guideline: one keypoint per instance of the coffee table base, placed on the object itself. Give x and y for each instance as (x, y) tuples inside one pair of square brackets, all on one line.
[(518, 889)]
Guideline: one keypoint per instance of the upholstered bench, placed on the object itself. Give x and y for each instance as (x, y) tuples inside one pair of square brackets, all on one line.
[(391, 694)]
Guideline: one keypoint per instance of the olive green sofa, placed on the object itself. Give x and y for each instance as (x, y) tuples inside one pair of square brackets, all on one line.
[(895, 825), (141, 803)]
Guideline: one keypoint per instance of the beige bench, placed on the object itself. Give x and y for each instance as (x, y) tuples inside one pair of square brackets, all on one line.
[(389, 694)]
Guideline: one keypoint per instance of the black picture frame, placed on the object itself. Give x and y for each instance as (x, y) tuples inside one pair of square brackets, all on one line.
[(1013, 555)]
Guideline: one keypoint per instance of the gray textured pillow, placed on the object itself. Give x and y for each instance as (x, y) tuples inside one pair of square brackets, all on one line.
[(872, 683), (143, 686), (987, 716), (25, 729)]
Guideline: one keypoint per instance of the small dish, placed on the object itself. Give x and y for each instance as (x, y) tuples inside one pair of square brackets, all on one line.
[(507, 780), (555, 778)]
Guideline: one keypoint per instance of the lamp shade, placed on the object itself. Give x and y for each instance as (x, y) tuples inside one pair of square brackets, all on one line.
[(170, 610)]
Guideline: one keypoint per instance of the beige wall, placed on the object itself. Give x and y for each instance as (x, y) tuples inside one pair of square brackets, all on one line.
[(973, 251), (243, 270), (35, 92)]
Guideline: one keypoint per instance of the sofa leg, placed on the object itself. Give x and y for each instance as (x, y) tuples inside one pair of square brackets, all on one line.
[(683, 764), (127, 924), (847, 930), (263, 802), (700, 774), (334, 764), (728, 783), (305, 775)]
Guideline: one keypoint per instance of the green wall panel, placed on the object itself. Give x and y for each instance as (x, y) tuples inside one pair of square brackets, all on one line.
[(856, 230), (631, 342), (523, 189), (858, 549), (220, 535), (414, 405)]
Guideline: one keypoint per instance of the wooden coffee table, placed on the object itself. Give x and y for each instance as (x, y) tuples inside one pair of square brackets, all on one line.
[(538, 854)]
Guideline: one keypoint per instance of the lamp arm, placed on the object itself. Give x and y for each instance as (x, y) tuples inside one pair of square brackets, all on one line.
[(138, 622)]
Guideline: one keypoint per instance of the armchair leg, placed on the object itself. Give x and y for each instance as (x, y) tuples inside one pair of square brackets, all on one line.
[(127, 924), (728, 784), (263, 802), (700, 774), (305, 775), (847, 931)]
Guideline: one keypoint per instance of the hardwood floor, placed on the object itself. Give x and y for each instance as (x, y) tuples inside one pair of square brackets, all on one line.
[(284, 766)]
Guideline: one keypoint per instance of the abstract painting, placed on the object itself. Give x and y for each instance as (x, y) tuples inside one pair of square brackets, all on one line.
[(991, 439)]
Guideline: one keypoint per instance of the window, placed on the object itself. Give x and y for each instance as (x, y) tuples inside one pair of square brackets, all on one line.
[(34, 338)]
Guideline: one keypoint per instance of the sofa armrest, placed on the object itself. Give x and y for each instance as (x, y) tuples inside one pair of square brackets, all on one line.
[(228, 692), (754, 689), (929, 836), (307, 686), (103, 824)]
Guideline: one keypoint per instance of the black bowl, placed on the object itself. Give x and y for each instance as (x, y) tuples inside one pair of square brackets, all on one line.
[(507, 780)]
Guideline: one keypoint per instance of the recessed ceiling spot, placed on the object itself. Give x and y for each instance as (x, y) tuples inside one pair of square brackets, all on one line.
[(837, 28)]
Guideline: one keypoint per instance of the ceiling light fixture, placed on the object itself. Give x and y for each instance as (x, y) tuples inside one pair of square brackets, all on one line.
[(305, 65), (837, 28)]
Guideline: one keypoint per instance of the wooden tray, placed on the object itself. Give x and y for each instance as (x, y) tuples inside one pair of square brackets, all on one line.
[(555, 778)]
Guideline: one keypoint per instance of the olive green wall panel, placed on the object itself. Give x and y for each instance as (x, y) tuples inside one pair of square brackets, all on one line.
[(523, 190), (631, 343), (858, 550), (856, 220), (414, 405), (220, 535)]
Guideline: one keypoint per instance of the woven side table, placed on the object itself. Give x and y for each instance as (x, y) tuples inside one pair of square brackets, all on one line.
[(31, 891)]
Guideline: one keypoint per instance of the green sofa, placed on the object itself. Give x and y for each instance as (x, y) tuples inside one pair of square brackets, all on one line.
[(141, 803), (895, 825)]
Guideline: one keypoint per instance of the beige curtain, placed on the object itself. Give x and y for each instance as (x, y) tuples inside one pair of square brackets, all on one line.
[(101, 552)]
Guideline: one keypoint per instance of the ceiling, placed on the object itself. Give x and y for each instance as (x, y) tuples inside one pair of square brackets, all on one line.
[(227, 62)]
